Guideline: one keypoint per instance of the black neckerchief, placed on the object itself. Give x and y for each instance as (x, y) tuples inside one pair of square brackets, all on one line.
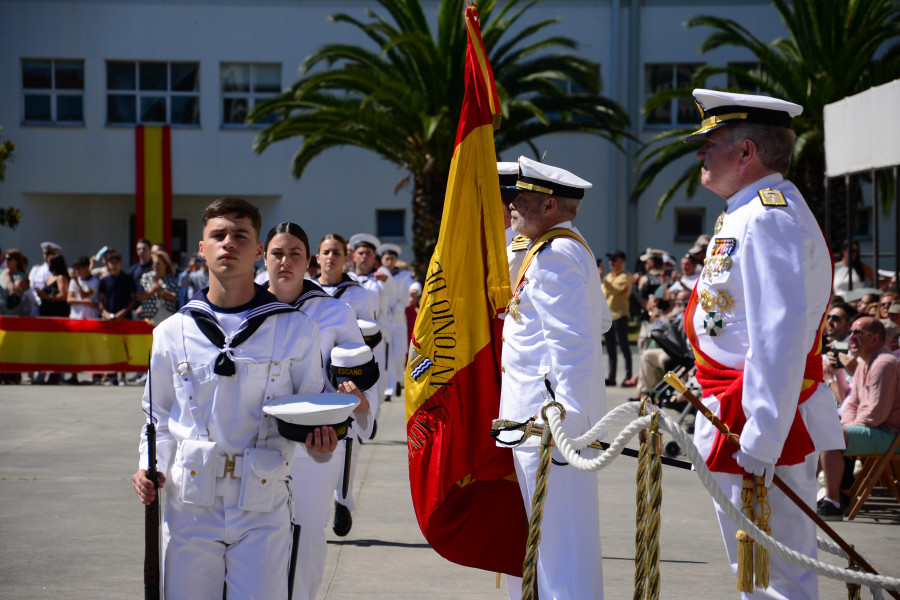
[(263, 305), (310, 290)]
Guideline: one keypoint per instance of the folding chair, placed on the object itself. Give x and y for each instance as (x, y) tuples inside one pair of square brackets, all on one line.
[(877, 468)]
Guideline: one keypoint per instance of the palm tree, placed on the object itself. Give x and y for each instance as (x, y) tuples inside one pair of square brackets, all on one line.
[(402, 99), (834, 48)]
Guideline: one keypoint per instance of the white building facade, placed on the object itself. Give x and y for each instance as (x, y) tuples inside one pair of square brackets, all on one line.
[(77, 76)]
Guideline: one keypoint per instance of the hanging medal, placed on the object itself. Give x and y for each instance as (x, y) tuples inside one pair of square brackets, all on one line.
[(713, 323)]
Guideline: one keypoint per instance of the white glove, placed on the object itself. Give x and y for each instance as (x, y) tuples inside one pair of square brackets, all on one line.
[(755, 466)]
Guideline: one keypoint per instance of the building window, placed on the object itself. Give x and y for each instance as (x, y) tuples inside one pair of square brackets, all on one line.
[(688, 223), (390, 225), (244, 85), (53, 91), (152, 92), (667, 76), (862, 228), (741, 84)]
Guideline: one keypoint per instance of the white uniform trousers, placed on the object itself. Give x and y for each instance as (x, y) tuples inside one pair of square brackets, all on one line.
[(339, 485), (397, 360), (312, 483), (789, 526), (208, 545), (569, 556)]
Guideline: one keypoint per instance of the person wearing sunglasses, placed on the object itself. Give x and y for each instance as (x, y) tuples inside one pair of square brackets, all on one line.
[(871, 415)]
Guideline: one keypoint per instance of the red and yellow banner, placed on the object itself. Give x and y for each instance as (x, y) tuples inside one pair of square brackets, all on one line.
[(153, 187), (464, 491), (54, 344)]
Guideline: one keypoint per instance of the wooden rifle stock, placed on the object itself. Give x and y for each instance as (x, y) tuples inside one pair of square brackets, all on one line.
[(676, 383)]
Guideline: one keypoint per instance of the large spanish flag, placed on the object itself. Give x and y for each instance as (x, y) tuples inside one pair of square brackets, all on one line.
[(68, 345), (153, 185), (464, 491)]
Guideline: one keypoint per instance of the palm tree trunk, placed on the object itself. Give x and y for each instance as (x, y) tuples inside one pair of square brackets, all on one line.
[(428, 205)]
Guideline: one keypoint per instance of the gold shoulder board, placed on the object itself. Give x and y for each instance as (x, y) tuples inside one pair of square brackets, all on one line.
[(772, 197), (519, 243)]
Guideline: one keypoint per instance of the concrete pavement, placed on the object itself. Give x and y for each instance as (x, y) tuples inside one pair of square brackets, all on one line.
[(71, 526)]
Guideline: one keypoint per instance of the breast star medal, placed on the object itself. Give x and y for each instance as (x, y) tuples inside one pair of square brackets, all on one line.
[(513, 306)]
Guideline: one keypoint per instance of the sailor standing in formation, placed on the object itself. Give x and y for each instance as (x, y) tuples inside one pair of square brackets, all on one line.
[(399, 339), (552, 335), (214, 364), (755, 323)]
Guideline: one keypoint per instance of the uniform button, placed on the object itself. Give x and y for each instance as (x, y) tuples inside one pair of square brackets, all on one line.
[(502, 339), (502, 369)]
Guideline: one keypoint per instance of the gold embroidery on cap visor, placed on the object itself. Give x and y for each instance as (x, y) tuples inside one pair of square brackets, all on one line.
[(522, 185), (711, 123)]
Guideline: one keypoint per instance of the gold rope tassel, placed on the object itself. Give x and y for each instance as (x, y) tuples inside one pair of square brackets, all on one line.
[(761, 555), (745, 543)]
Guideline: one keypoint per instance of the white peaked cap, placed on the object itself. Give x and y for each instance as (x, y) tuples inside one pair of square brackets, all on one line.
[(718, 109), (535, 176)]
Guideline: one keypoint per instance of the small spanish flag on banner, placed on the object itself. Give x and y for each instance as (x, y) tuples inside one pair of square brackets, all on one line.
[(54, 344), (153, 188), (464, 491)]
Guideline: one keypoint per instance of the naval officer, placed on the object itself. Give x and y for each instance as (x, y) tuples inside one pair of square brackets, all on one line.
[(552, 334), (755, 321)]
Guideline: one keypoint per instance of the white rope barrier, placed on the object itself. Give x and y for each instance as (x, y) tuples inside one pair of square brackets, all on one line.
[(569, 447)]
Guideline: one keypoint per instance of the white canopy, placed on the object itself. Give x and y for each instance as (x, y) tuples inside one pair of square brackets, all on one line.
[(862, 132)]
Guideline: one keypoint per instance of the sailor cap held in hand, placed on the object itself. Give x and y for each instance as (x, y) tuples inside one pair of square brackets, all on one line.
[(508, 173), (353, 362), (389, 248), (364, 239), (370, 332), (299, 414), (718, 109), (538, 177)]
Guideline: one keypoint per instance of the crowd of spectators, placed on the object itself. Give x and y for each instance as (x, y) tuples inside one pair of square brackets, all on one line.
[(95, 287)]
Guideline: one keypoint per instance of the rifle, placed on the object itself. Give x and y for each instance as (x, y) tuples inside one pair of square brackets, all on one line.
[(151, 511)]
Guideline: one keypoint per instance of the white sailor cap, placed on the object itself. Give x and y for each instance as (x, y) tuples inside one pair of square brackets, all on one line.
[(389, 248), (535, 176), (508, 173), (364, 239), (370, 332), (50, 247), (299, 414), (718, 109), (353, 362)]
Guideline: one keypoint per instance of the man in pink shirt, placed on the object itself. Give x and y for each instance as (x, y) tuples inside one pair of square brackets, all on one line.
[(871, 416)]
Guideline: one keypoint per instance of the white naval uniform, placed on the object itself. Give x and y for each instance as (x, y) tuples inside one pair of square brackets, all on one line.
[(399, 338), (780, 286), (313, 482), (208, 546), (556, 331), (384, 292), (362, 302)]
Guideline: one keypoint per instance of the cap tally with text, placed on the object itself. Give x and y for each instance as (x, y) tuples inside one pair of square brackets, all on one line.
[(718, 109), (299, 414), (535, 176), (364, 239), (508, 173), (353, 362), (389, 248), (50, 247)]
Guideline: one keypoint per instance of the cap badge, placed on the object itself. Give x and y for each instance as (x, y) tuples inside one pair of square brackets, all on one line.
[(772, 197)]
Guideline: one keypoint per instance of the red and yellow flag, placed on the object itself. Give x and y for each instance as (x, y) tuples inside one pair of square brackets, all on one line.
[(153, 186), (68, 345), (464, 491)]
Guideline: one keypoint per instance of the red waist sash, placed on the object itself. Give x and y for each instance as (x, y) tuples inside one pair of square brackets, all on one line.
[(727, 386)]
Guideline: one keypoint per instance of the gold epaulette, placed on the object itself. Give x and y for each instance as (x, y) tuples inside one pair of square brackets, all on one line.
[(772, 197), (519, 243)]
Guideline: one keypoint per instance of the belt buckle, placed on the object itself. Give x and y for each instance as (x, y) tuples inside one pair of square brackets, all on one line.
[(272, 370), (229, 466), (183, 368)]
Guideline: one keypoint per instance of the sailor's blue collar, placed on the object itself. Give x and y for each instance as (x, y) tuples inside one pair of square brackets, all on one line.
[(263, 303), (310, 290)]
